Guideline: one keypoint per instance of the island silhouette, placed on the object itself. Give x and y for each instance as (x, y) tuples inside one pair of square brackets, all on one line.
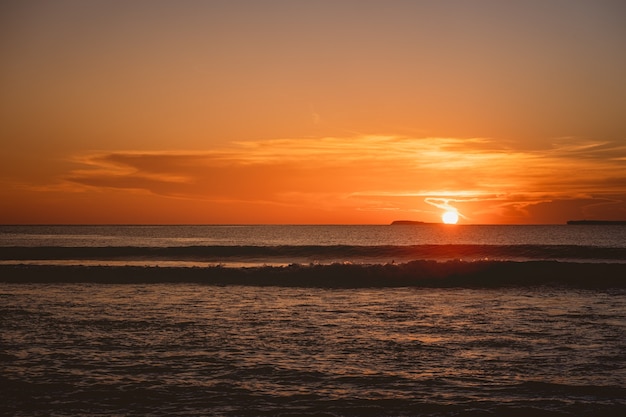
[(407, 222), (597, 222)]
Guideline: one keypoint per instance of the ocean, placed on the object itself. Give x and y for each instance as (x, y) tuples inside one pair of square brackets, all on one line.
[(425, 320)]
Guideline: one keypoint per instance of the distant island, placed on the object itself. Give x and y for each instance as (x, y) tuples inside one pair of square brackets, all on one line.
[(598, 222), (407, 222)]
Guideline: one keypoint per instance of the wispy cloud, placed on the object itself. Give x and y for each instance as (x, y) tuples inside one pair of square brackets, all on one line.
[(371, 172)]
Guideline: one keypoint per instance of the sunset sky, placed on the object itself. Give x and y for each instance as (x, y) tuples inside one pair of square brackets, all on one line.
[(300, 111)]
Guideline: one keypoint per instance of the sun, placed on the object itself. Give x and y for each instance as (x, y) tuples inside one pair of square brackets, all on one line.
[(450, 217)]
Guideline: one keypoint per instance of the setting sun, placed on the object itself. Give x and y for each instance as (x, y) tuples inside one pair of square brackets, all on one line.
[(450, 217)]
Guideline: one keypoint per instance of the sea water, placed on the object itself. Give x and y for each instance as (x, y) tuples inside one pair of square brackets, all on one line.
[(310, 235), (116, 346), (281, 245)]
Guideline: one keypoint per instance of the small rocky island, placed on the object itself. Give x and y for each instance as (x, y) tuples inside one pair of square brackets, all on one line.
[(407, 222)]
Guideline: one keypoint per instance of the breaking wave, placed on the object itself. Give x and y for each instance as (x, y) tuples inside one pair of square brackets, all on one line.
[(319, 252), (419, 273)]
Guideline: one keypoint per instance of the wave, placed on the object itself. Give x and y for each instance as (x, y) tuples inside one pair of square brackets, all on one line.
[(410, 274), (388, 253)]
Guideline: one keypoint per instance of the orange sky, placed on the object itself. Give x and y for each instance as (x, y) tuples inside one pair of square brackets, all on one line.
[(328, 111)]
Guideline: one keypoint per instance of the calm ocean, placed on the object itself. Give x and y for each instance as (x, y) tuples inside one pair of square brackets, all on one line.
[(426, 320)]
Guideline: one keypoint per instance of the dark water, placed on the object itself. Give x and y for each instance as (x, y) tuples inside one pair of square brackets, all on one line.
[(237, 246), (304, 235), (185, 349), (313, 320)]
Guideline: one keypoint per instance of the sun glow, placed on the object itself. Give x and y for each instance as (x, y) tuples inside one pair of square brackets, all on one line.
[(450, 217)]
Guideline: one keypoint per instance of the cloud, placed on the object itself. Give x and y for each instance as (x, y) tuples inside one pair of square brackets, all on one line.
[(370, 172)]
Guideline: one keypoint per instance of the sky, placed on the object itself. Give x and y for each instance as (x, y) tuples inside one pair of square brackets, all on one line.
[(314, 112)]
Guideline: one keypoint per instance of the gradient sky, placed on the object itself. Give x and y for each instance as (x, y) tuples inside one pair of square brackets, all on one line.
[(326, 111)]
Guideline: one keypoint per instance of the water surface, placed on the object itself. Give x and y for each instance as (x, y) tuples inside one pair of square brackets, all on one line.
[(185, 349)]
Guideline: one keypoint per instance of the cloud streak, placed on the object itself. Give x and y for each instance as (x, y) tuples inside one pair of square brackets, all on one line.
[(372, 173)]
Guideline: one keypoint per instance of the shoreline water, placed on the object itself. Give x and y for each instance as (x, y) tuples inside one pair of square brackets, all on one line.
[(188, 349)]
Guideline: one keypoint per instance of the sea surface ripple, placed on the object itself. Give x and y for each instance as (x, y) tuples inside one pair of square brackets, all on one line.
[(188, 349)]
